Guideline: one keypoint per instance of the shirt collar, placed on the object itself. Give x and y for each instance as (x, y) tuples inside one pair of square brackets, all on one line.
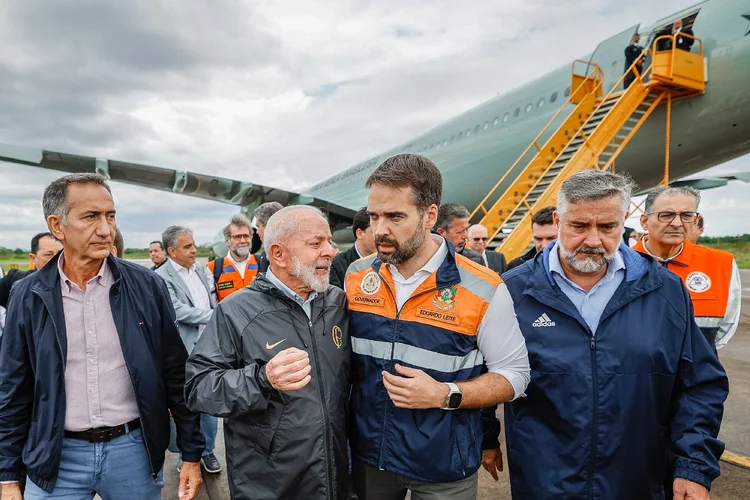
[(180, 268), (659, 259), (356, 249), (430, 266), (555, 266), (238, 264), (103, 277), (288, 291)]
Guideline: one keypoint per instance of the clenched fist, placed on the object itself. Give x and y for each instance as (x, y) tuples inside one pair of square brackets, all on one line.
[(289, 370)]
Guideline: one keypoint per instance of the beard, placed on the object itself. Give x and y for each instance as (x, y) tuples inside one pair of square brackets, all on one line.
[(402, 252), (241, 252), (307, 274), (588, 265)]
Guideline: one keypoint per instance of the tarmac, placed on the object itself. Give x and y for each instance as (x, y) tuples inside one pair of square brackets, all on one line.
[(733, 484)]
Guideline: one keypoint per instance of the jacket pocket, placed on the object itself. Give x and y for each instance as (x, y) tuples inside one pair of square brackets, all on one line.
[(267, 433)]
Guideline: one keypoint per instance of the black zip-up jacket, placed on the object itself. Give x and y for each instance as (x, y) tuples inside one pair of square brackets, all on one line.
[(33, 354), (280, 445)]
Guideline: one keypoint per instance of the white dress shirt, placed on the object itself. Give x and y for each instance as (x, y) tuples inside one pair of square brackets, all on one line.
[(499, 337), (198, 292), (240, 266)]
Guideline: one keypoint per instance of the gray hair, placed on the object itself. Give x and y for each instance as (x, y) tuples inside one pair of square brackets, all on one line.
[(55, 198), (669, 191), (285, 223), (170, 235), (266, 210), (238, 220), (594, 184), (448, 212)]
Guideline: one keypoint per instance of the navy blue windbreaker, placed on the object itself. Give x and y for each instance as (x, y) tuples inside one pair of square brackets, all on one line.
[(608, 417)]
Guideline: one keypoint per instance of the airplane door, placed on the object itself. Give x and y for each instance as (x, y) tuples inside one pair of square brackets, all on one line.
[(610, 55)]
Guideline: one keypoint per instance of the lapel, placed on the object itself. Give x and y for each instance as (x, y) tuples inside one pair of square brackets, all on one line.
[(180, 283), (201, 272)]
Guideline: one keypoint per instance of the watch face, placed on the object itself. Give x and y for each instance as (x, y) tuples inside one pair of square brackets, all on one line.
[(454, 401)]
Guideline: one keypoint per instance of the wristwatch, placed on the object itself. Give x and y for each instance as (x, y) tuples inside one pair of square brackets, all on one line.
[(453, 400)]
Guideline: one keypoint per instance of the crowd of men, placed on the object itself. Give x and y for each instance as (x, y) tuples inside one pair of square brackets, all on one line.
[(375, 371)]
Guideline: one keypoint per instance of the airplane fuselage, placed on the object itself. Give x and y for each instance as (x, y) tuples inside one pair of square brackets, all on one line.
[(475, 149)]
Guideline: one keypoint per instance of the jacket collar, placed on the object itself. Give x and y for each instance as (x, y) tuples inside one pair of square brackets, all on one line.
[(447, 273), (48, 277), (684, 258), (641, 277)]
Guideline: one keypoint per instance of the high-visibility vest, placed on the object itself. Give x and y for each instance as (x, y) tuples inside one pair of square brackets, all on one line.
[(707, 273), (228, 279)]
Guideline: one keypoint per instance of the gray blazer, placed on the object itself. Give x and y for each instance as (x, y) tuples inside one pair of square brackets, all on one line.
[(189, 317)]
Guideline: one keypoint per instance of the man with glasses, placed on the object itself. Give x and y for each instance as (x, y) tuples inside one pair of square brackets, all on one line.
[(710, 275), (239, 268), (478, 238)]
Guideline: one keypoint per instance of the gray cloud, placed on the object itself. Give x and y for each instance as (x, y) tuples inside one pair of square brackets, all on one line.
[(279, 93)]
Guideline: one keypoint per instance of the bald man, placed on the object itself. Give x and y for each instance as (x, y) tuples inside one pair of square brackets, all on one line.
[(478, 239)]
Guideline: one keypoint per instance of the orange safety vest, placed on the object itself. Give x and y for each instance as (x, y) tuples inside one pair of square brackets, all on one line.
[(229, 279), (707, 273)]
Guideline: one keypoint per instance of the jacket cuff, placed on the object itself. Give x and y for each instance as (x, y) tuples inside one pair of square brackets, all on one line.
[(263, 382), (10, 477), (193, 457), (694, 476)]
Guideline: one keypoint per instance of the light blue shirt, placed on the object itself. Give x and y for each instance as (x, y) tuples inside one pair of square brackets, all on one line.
[(590, 305), (306, 304)]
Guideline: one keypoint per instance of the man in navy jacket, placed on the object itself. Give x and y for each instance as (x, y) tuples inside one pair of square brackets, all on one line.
[(612, 410), (90, 363)]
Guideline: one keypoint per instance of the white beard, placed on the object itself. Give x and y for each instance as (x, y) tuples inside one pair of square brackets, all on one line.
[(308, 276)]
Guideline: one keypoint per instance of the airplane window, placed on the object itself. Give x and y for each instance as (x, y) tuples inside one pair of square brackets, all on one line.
[(432, 146), (438, 146), (506, 116), (540, 103), (486, 125), (515, 113), (476, 129), (553, 97), (567, 92), (453, 138), (528, 107), (468, 132), (461, 135)]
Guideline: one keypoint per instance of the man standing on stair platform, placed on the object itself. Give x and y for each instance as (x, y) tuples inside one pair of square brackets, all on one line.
[(239, 268), (609, 403), (422, 319), (710, 275), (632, 53)]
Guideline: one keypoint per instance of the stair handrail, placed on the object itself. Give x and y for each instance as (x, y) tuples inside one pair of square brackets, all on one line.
[(674, 49), (598, 74), (578, 132)]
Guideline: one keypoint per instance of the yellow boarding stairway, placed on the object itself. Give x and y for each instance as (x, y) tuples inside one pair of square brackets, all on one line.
[(593, 134)]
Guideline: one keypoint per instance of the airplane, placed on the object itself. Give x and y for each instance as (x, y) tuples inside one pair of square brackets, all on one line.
[(474, 149)]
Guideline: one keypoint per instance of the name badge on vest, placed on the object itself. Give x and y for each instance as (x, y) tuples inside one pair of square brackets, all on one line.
[(225, 285)]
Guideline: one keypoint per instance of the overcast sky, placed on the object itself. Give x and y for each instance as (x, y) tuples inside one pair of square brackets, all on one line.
[(282, 93)]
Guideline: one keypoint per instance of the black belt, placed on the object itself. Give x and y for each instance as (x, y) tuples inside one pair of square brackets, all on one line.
[(104, 434)]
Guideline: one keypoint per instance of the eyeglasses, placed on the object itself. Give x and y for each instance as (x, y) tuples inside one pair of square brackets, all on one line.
[(240, 237), (668, 217), (479, 239)]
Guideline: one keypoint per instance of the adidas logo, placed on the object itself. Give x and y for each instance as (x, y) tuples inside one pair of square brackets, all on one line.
[(543, 320)]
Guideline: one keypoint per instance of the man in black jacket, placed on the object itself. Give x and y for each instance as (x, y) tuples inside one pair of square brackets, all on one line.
[(260, 217), (543, 230), (91, 364), (364, 244), (453, 224), (44, 246), (275, 361), (478, 239), (632, 53)]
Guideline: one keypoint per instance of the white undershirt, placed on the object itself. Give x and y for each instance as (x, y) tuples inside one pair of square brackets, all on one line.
[(240, 266), (499, 337)]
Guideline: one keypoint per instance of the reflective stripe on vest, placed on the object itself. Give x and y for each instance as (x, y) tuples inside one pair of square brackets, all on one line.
[(230, 280)]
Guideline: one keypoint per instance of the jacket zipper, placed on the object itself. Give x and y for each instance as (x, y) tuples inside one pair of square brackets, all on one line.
[(65, 363), (393, 348), (324, 407), (154, 475), (592, 465)]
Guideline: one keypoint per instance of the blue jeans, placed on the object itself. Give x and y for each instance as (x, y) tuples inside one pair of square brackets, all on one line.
[(117, 470), (209, 426)]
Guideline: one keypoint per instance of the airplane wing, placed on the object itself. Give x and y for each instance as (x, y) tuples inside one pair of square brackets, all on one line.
[(712, 181), (208, 187)]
